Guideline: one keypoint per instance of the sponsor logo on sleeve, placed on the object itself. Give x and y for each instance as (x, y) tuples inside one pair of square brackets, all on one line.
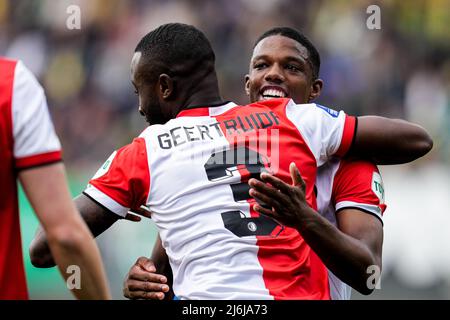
[(331, 112), (105, 167), (377, 186)]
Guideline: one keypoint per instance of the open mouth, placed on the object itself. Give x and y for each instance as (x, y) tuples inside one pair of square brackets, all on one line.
[(273, 92)]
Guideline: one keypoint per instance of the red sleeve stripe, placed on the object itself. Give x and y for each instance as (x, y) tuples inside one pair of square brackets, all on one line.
[(38, 159), (347, 136)]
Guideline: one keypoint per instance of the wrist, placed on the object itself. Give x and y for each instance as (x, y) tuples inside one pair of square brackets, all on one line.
[(307, 220)]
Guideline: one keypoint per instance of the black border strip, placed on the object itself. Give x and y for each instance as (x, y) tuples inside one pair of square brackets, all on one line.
[(267, 309)]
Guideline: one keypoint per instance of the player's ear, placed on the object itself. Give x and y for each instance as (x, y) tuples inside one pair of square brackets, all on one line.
[(247, 84), (316, 89), (165, 86)]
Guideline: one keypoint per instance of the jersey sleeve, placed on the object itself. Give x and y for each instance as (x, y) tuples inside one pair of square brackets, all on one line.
[(123, 181), (35, 140), (326, 131), (358, 184)]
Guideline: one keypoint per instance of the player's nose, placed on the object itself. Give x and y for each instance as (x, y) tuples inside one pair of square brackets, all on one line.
[(274, 74)]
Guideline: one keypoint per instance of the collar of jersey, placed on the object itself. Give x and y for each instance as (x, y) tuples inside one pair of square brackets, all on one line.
[(200, 110)]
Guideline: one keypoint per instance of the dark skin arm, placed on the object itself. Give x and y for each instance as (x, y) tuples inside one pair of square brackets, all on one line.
[(389, 141), (96, 217), (347, 251), (364, 234)]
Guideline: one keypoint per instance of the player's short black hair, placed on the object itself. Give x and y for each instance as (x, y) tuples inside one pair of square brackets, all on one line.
[(176, 49), (314, 56)]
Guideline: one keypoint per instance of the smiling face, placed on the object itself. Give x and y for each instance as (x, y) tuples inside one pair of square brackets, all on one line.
[(280, 68)]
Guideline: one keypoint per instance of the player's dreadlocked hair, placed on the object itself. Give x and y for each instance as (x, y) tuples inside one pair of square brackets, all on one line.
[(176, 49), (314, 56)]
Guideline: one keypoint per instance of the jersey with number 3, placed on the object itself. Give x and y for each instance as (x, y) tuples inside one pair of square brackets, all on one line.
[(192, 174)]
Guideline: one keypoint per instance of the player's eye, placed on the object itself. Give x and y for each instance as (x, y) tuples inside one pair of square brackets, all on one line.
[(292, 67), (260, 65), (136, 92)]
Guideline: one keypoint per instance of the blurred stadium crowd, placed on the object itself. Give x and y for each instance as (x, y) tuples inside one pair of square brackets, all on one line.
[(402, 70)]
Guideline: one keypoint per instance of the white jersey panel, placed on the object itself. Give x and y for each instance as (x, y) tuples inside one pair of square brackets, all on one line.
[(324, 184), (32, 126), (318, 127), (339, 290)]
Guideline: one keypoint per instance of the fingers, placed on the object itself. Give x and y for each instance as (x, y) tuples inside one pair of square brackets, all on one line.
[(274, 181), (264, 188), (143, 283), (132, 217), (144, 270), (264, 192), (262, 210), (262, 197), (139, 295), (135, 285), (143, 295), (145, 264), (297, 179), (137, 273), (142, 211)]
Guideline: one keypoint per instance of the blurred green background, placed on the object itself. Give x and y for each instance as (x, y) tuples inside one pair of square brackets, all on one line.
[(42, 283), (49, 284)]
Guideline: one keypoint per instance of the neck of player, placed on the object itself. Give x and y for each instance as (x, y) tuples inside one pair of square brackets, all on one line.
[(204, 92)]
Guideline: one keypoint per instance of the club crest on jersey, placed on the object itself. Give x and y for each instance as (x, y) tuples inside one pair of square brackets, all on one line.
[(252, 226), (331, 112), (377, 186), (105, 167)]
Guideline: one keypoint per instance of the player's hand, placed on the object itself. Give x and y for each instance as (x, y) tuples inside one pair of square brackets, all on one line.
[(288, 202), (142, 281), (135, 214)]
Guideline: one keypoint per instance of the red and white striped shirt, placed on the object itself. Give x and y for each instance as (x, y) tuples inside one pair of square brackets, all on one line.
[(192, 173)]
